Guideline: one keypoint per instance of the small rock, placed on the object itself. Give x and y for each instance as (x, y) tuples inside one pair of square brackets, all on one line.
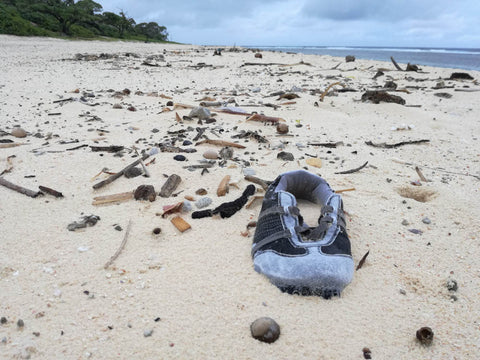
[(210, 154), (83, 249), (20, 323), (248, 172), (3, 320), (179, 158), (265, 329), (367, 354), (349, 58), (426, 220), (405, 222), (201, 191), (117, 106), (145, 192), (18, 132), (133, 172), (425, 335), (186, 142), (282, 128), (258, 55), (200, 112), (226, 153), (416, 231), (285, 156), (148, 332), (203, 202), (157, 231), (452, 285)]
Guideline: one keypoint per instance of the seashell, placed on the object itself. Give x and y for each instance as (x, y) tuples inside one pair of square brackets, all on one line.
[(265, 329), (201, 191), (282, 128), (425, 335), (203, 202), (315, 162), (18, 132), (210, 154)]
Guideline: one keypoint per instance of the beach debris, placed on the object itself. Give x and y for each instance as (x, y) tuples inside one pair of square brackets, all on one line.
[(20, 323), (425, 335), (9, 145), (420, 174), (419, 194), (395, 64), (50, 191), (402, 127), (156, 231), (460, 76), (170, 185), (395, 145), (179, 158), (378, 74), (203, 202), (145, 192), (133, 172), (282, 128), (147, 332), (19, 189), (351, 171), (426, 220), (120, 173), (250, 134), (223, 186), (264, 118), (377, 96), (416, 231), (87, 220), (220, 143), (367, 354), (390, 85), (265, 329), (3, 320), (285, 156), (258, 55), (18, 132), (327, 144), (120, 248), (362, 260), (111, 148), (443, 95), (171, 209), (314, 161), (412, 67), (345, 190), (252, 200), (328, 89), (200, 112), (349, 58), (107, 199), (180, 224), (210, 154), (263, 183)]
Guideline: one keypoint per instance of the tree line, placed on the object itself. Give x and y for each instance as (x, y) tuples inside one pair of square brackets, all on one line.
[(81, 18)]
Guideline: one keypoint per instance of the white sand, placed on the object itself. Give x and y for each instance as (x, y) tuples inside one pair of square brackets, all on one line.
[(201, 283)]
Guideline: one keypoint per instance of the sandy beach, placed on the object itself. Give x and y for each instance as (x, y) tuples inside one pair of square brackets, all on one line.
[(194, 294)]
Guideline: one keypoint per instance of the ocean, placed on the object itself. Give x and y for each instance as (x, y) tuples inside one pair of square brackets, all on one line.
[(467, 59)]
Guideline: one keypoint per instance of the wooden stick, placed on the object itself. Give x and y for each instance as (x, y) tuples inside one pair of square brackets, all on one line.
[(257, 181), (120, 173), (50, 191), (146, 173), (395, 63), (344, 190), (9, 145), (19, 189), (122, 245), (328, 88), (420, 174), (106, 199), (353, 170), (220, 143)]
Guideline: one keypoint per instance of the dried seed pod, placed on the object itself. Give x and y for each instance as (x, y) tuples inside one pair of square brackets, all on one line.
[(180, 224), (265, 329), (425, 335), (223, 186)]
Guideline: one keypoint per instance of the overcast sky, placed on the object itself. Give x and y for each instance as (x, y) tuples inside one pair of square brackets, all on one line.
[(428, 23)]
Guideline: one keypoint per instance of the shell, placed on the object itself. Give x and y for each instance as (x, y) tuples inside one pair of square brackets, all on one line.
[(203, 202), (282, 128), (201, 191)]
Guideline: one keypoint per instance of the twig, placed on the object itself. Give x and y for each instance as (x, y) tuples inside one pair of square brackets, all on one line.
[(420, 174), (120, 173), (327, 145), (9, 145), (353, 170), (107, 199), (47, 190), (111, 148), (264, 184), (146, 173), (344, 190), (328, 88), (122, 245), (437, 169), (77, 147), (362, 260), (19, 189), (391, 146)]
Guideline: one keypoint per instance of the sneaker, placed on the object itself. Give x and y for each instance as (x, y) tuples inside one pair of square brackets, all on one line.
[(295, 257)]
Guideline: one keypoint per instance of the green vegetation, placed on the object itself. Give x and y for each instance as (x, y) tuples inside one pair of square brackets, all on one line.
[(70, 18)]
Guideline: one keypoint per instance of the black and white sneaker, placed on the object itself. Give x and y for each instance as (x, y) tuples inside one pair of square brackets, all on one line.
[(295, 257)]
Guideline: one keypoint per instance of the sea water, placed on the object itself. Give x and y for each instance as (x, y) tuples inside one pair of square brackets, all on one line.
[(467, 59)]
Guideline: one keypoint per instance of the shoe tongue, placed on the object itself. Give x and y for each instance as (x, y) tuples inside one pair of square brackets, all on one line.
[(286, 199)]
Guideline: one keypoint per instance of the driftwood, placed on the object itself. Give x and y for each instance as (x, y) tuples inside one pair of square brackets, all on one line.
[(223, 186), (77, 147), (9, 145), (111, 148), (344, 190), (264, 184), (269, 119), (220, 143), (362, 260), (107, 199), (19, 189), (120, 173), (170, 185), (122, 245), (328, 88), (353, 170), (47, 190), (420, 174), (392, 146), (327, 145), (395, 64)]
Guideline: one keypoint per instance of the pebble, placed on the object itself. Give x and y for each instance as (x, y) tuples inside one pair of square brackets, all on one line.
[(20, 323), (425, 335), (179, 158), (203, 202), (148, 332), (187, 206), (210, 154), (18, 132), (3, 320), (201, 191), (282, 128), (265, 329), (187, 142), (405, 222), (117, 106), (157, 231), (200, 112), (452, 285), (416, 231), (82, 249), (226, 153), (285, 156), (426, 220), (132, 172)]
